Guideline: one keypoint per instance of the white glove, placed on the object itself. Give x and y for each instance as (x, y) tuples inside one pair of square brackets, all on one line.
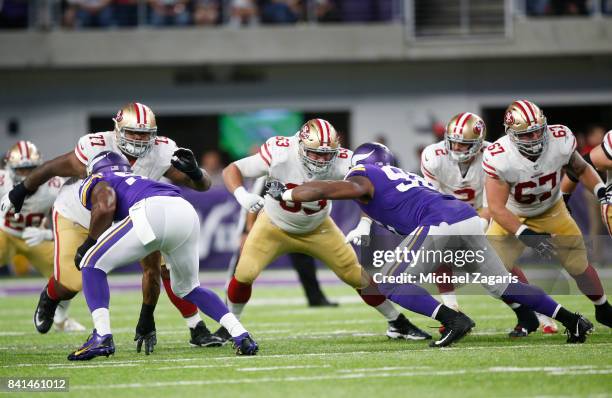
[(5, 205), (35, 236), (363, 228), (250, 201)]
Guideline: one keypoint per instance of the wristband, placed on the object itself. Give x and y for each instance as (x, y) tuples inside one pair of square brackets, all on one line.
[(520, 229), (600, 190), (288, 195)]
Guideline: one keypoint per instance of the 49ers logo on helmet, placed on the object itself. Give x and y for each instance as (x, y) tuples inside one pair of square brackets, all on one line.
[(478, 127), (119, 116), (304, 131), (508, 118)]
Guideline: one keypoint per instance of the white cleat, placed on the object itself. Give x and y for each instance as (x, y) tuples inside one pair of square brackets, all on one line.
[(547, 325), (68, 325)]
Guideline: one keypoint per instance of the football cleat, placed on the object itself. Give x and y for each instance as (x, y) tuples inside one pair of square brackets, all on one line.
[(245, 345), (454, 330), (95, 346), (45, 311), (547, 325), (201, 337), (402, 328), (223, 335), (527, 322), (68, 325), (577, 333), (603, 314)]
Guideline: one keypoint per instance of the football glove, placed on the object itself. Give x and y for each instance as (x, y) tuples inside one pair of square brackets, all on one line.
[(35, 236), (539, 241), (80, 253), (363, 228), (604, 195), (275, 189), (184, 160), (249, 201), (145, 330), (14, 199)]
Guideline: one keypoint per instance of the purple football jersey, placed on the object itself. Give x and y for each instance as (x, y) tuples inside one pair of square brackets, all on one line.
[(129, 189), (404, 201)]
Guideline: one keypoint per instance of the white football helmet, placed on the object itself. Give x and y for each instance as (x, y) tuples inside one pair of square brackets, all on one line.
[(22, 155), (465, 128), (526, 125), (135, 118), (319, 145)]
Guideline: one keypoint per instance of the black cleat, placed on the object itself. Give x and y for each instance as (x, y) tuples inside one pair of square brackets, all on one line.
[(223, 335), (603, 314), (45, 311), (201, 337), (578, 331), (402, 328), (527, 322), (454, 330)]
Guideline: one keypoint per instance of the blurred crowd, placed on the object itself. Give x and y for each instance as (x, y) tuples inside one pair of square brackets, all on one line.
[(130, 13)]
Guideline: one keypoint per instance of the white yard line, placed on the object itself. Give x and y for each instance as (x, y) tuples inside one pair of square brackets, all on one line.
[(263, 369), (337, 376)]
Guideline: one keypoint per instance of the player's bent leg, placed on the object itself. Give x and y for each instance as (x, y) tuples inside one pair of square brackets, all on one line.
[(569, 242), (182, 254), (116, 246), (66, 281), (327, 244)]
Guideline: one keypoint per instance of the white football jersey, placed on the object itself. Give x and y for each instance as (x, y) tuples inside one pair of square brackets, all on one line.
[(281, 160), (534, 186), (153, 165), (444, 173), (607, 148), (35, 207)]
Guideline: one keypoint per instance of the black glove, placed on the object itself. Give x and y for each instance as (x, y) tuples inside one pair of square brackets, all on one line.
[(18, 195), (539, 241), (604, 195), (145, 330), (275, 189), (80, 253), (184, 160)]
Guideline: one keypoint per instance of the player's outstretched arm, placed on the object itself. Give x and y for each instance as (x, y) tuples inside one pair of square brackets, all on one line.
[(233, 179), (586, 174), (67, 165), (356, 187), (184, 171)]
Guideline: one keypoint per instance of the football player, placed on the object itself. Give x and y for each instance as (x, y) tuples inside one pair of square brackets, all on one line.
[(296, 226), (601, 156), (26, 233), (134, 136), (454, 167), (524, 170), (406, 204), (149, 216)]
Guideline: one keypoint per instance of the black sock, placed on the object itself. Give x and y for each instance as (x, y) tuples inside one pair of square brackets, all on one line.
[(567, 318), (445, 314)]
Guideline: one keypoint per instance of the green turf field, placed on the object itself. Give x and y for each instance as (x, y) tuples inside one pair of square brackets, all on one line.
[(311, 353)]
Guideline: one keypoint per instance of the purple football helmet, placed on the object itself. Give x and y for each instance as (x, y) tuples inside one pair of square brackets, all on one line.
[(108, 161), (373, 153)]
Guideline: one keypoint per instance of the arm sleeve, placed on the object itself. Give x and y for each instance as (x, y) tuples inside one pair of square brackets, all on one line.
[(252, 166)]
